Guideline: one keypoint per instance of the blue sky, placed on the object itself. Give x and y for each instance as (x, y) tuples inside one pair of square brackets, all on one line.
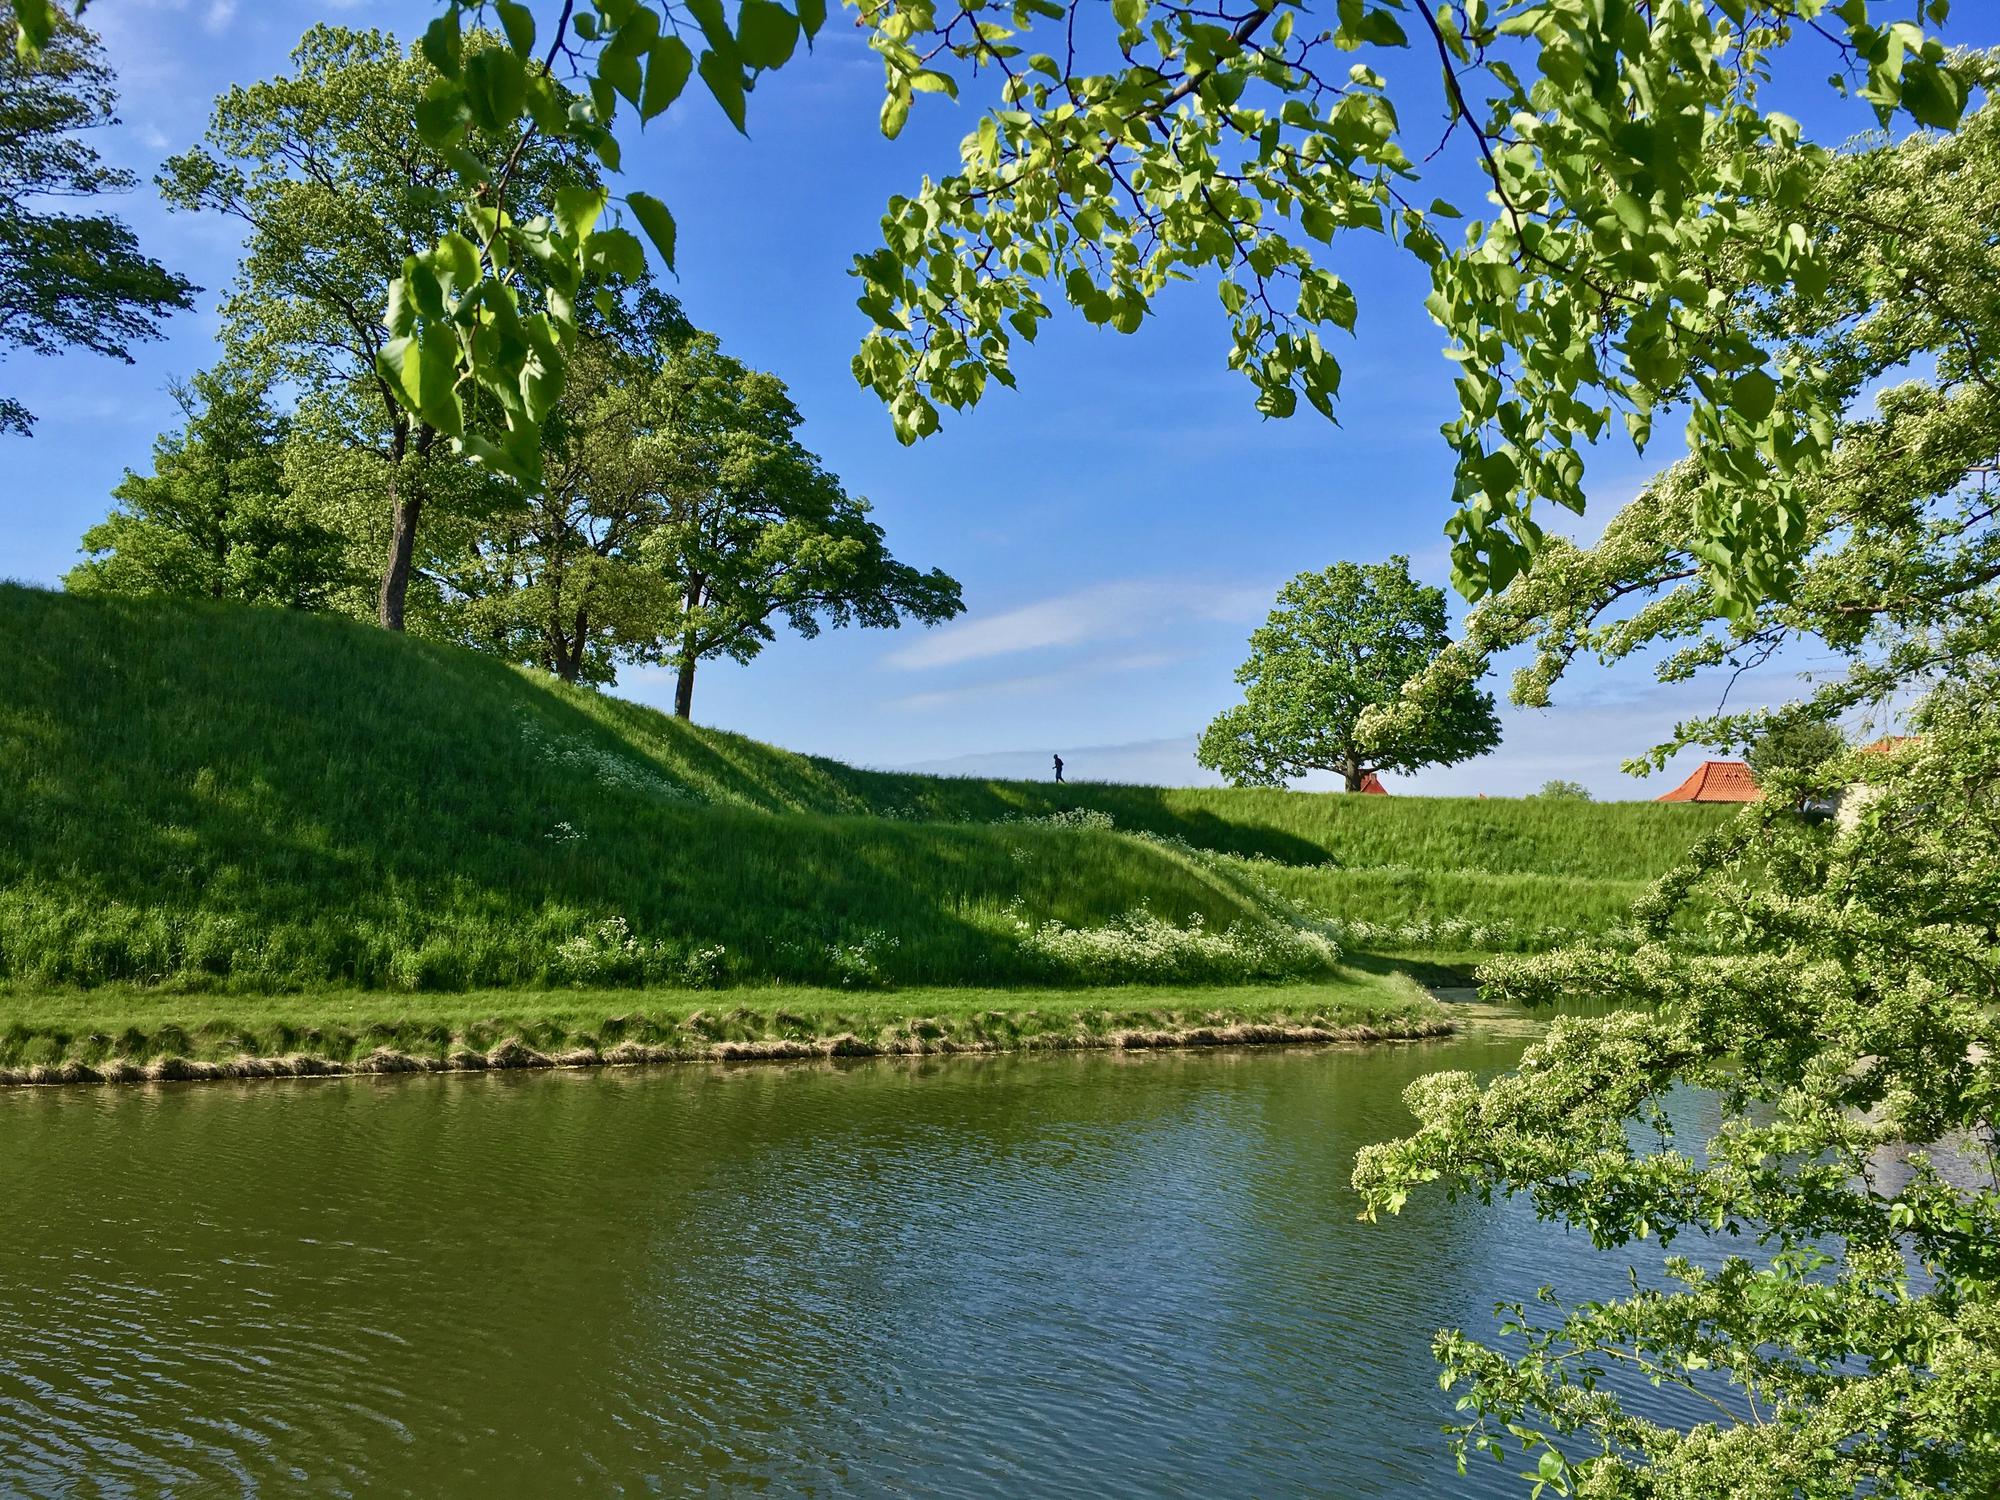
[(1120, 523)]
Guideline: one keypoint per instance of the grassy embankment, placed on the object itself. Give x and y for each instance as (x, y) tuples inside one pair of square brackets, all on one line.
[(202, 808)]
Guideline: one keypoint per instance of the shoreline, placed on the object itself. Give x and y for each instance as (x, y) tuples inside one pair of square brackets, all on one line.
[(174, 1053)]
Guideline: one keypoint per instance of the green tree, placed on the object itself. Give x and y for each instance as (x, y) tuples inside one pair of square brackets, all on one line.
[(1338, 643), (216, 518), (1790, 743), (1836, 987), (1564, 791), (1628, 153), (559, 580), (756, 530), (67, 280), (678, 520), (335, 189)]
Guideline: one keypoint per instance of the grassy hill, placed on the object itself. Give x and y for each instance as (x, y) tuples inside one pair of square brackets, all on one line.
[(223, 798)]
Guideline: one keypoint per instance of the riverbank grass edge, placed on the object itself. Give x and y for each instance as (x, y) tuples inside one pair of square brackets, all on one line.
[(134, 1035)]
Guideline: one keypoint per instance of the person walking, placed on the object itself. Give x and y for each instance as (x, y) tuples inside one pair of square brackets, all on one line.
[(1058, 768)]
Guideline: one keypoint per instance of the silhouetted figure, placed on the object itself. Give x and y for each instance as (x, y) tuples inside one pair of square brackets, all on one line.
[(1058, 768)]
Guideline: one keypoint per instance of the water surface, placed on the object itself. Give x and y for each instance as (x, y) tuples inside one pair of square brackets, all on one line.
[(1085, 1274)]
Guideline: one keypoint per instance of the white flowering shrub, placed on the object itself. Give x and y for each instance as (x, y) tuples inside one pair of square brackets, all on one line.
[(1140, 946), (858, 963), (704, 968), (1072, 817)]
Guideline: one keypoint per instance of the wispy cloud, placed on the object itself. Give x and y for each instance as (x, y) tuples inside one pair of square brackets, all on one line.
[(1033, 683), (1097, 615), (215, 20)]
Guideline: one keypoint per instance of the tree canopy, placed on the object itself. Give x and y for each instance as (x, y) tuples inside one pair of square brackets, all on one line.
[(336, 189), (67, 280), (1830, 1286), (1338, 643), (1793, 744), (679, 519), (216, 518), (1627, 150)]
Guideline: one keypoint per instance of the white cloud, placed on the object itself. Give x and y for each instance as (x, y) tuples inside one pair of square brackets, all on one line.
[(218, 16), (1096, 615), (1039, 682)]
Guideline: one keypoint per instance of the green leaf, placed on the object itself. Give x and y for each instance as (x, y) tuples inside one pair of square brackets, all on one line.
[(1934, 96), (812, 16), (519, 23), (615, 252), (766, 33), (725, 81), (578, 209), (895, 111), (1754, 394), (35, 20), (656, 221), (443, 47), (618, 65), (667, 73), (495, 88), (440, 111), (1129, 14)]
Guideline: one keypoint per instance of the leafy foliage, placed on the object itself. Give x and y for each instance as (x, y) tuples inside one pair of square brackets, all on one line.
[(336, 190), (67, 280), (1834, 1292), (1628, 152), (216, 519), (754, 529), (1793, 744), (1564, 791), (1338, 643), (679, 519)]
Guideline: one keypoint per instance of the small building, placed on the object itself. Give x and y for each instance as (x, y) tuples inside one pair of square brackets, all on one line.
[(1716, 781), (1372, 785)]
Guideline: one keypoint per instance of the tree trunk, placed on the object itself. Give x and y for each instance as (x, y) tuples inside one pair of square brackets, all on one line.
[(404, 511), (684, 689), (396, 571), (1354, 774)]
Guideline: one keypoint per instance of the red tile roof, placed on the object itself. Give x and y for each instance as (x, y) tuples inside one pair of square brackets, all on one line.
[(1372, 783), (1716, 781), (1889, 744)]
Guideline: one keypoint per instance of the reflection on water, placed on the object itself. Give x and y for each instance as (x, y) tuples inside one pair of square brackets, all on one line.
[(1094, 1273)]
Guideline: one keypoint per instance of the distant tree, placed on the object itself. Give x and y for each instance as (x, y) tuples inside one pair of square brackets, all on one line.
[(216, 518), (327, 172), (559, 580), (1564, 791), (1794, 743), (679, 519), (1338, 643), (67, 280), (756, 530)]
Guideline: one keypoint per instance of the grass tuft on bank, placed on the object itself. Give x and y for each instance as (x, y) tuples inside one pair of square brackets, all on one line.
[(132, 1035)]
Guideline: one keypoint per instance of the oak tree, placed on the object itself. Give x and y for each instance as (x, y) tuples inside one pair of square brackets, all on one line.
[(1338, 643)]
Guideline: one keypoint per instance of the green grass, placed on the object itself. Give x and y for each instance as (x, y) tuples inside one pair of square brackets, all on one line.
[(52, 1037), (233, 800)]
